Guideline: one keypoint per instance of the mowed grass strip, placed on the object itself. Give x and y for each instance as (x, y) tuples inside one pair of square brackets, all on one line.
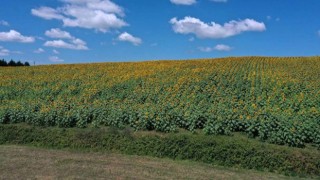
[(21, 162), (236, 151)]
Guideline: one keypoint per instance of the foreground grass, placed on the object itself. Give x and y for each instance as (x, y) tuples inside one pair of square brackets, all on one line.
[(232, 152), (21, 162)]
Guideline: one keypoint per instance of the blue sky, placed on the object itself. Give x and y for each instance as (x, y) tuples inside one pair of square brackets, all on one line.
[(81, 31)]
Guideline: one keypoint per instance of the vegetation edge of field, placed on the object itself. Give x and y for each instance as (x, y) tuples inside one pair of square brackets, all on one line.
[(219, 150)]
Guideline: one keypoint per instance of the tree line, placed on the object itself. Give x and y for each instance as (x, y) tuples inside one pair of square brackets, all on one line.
[(13, 63)]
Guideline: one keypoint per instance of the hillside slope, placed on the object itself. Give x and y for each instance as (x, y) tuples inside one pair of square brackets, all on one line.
[(274, 99)]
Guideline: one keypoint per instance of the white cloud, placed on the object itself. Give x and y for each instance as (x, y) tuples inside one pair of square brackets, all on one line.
[(55, 59), (219, 47), (55, 52), (4, 52), (191, 25), (47, 13), (191, 39), (98, 20), (4, 23), (39, 51), (222, 47), (105, 5), (220, 1), (14, 36), (75, 44), (101, 15), (183, 2), (128, 37), (57, 33)]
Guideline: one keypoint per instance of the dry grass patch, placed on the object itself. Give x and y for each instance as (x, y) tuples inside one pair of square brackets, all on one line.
[(19, 162)]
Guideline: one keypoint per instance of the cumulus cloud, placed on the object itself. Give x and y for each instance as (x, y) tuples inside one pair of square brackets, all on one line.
[(39, 51), (100, 15), (4, 52), (98, 20), (183, 2), (4, 23), (47, 13), (219, 47), (222, 47), (75, 44), (55, 59), (105, 5), (57, 33), (129, 38), (191, 25), (220, 1), (14, 36)]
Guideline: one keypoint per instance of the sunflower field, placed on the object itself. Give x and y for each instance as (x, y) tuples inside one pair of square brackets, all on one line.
[(273, 99)]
